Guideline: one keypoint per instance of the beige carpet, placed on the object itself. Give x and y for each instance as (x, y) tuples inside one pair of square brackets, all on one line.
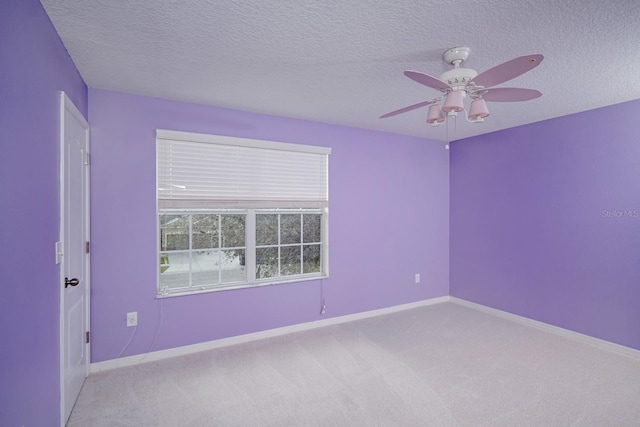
[(440, 365)]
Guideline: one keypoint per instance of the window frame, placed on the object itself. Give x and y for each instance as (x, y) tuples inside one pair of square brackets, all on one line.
[(218, 207), (250, 251), (191, 250)]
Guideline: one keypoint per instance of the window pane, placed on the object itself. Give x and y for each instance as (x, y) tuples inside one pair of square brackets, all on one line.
[(290, 260), (311, 259), (205, 231), (232, 270), (205, 266), (266, 229), (174, 270), (233, 231), (311, 226), (174, 232), (266, 262), (289, 229)]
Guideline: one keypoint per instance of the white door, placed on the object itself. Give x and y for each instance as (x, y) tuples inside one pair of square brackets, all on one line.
[(73, 254)]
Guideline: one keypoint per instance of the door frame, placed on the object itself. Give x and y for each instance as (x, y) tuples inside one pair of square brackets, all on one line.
[(67, 107)]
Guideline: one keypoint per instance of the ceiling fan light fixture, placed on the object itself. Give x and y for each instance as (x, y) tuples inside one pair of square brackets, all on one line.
[(478, 110), (435, 116), (455, 84), (453, 102)]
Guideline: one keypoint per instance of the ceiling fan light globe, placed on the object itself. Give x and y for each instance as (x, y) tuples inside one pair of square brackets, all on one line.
[(453, 102), (435, 116), (478, 110)]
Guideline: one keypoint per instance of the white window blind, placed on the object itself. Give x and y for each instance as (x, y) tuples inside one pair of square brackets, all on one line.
[(200, 171)]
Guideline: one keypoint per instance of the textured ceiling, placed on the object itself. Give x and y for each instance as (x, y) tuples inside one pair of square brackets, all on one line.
[(341, 62)]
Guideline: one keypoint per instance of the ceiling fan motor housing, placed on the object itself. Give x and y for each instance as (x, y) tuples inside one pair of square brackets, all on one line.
[(458, 78)]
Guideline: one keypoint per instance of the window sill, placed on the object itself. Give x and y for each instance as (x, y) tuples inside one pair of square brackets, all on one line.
[(231, 287)]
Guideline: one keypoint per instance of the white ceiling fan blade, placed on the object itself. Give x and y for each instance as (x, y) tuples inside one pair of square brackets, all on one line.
[(509, 94), (406, 109), (427, 80), (508, 70)]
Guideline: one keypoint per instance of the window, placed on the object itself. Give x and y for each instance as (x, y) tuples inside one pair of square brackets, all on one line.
[(234, 212), (288, 244), (201, 249)]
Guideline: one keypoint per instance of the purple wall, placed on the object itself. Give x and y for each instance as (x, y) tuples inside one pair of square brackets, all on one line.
[(34, 68), (545, 222), (389, 215)]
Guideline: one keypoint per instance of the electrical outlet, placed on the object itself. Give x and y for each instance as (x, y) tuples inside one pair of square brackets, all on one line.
[(132, 319), (417, 277)]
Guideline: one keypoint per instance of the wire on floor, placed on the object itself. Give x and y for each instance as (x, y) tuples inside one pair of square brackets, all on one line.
[(158, 330), (323, 307), (135, 328)]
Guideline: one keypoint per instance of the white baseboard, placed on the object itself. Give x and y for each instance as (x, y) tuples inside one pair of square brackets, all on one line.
[(576, 336), (209, 345)]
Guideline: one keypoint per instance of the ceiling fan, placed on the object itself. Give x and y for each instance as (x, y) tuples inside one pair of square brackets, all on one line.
[(458, 83)]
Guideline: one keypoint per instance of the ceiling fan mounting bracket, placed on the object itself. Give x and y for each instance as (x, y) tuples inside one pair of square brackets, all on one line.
[(456, 55)]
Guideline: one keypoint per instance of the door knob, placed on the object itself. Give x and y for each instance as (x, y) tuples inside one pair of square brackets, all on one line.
[(71, 282)]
